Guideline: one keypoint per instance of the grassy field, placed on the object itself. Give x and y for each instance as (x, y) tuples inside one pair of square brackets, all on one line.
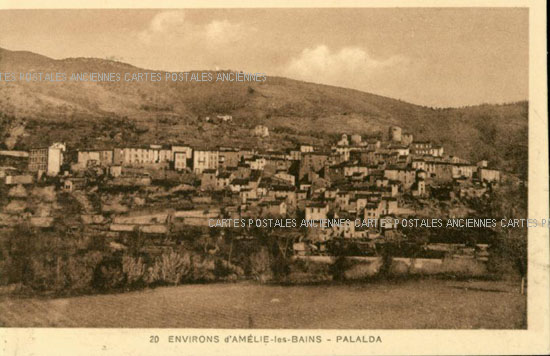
[(434, 304)]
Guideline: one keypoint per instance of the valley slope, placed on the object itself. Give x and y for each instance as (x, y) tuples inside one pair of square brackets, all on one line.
[(107, 114)]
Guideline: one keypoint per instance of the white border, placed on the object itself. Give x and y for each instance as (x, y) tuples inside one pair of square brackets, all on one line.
[(534, 340)]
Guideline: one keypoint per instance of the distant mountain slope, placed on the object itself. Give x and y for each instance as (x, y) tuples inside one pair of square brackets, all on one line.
[(106, 113)]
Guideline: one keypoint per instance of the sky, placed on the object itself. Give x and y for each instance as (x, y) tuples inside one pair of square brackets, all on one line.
[(434, 57)]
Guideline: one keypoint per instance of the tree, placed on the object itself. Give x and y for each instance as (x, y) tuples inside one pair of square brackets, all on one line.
[(509, 246)]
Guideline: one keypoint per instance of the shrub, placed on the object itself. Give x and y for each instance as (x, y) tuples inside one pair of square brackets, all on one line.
[(280, 267), (202, 269), (362, 270), (227, 271), (260, 268), (79, 270), (222, 269), (172, 266), (152, 274), (108, 274), (133, 269), (339, 267), (43, 275), (305, 271)]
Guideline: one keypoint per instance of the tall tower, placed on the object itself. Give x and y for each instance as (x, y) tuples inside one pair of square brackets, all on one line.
[(395, 133)]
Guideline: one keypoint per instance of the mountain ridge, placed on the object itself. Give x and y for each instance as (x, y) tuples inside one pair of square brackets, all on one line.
[(114, 113)]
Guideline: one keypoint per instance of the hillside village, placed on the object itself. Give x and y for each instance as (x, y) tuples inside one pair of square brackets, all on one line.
[(158, 189)]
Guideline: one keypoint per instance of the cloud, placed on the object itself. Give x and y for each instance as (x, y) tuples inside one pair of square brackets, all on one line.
[(182, 42), (173, 27), (167, 20), (220, 31), (164, 23), (350, 66)]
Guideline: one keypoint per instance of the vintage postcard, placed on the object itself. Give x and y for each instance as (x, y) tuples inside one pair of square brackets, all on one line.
[(278, 178)]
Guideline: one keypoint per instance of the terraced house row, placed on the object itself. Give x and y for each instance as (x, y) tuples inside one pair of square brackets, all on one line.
[(357, 179)]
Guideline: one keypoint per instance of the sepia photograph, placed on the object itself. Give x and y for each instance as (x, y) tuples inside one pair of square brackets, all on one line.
[(299, 171)]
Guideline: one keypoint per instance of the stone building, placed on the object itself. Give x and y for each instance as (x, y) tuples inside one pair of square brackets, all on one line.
[(47, 159)]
